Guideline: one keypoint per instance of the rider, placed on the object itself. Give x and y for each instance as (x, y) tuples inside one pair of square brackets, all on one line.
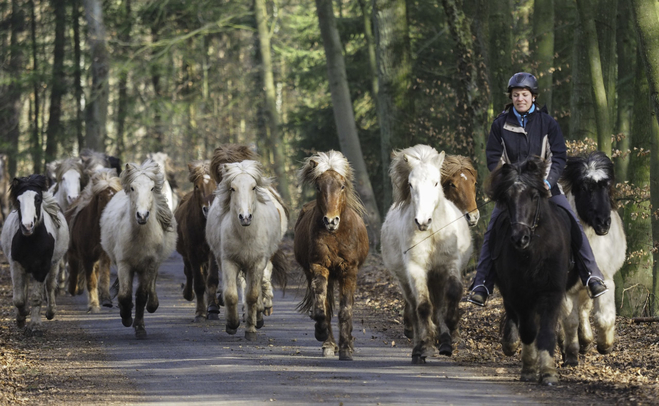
[(519, 132)]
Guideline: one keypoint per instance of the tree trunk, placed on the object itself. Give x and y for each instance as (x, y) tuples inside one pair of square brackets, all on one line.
[(626, 49), (582, 116), (647, 26), (77, 74), (36, 133), (499, 53), (605, 23), (272, 118), (596, 76), (58, 83), (122, 102), (97, 106), (543, 48), (344, 116), (370, 43), (10, 97), (158, 136), (638, 267), (394, 67)]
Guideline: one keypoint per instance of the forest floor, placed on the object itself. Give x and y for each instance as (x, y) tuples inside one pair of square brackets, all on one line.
[(629, 375)]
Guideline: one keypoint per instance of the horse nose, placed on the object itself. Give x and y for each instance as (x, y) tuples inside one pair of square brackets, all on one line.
[(423, 226), (142, 218), (71, 198), (331, 224), (245, 220), (473, 217), (27, 228), (521, 242), (204, 210)]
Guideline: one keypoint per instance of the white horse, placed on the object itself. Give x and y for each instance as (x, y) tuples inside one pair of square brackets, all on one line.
[(425, 248), (34, 239), (244, 229), (163, 161), (588, 182), (70, 179), (138, 232)]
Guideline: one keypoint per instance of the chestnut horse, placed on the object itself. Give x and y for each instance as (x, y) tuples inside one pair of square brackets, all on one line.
[(85, 252), (191, 243), (459, 184), (331, 244)]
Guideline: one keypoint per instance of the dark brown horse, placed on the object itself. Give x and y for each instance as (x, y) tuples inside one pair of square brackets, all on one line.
[(86, 256), (191, 243), (459, 184), (331, 243), (224, 154)]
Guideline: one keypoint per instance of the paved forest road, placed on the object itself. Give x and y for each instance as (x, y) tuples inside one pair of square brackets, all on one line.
[(182, 362)]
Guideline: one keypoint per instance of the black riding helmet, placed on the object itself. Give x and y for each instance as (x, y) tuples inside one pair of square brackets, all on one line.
[(523, 80)]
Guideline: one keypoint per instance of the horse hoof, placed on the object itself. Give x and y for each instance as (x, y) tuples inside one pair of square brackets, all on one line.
[(127, 321), (107, 303), (528, 377), (321, 334), (250, 335), (32, 332), (151, 308), (328, 352), (213, 316), (345, 355), (260, 323), (189, 296), (231, 330), (267, 311), (409, 334), (509, 349), (446, 349), (50, 314), (604, 350), (549, 379), (20, 323), (140, 332), (93, 310), (213, 309), (418, 359), (199, 319), (570, 363)]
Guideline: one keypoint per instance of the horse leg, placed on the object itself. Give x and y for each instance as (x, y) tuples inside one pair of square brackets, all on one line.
[(546, 339), (74, 270), (585, 330), (509, 333), (20, 283), (50, 287), (125, 296), (528, 331), (104, 280), (346, 302), (569, 342), (199, 290), (188, 270), (212, 281), (605, 319), (91, 273), (319, 289), (36, 298), (254, 277), (152, 302), (63, 274), (230, 294), (141, 297), (448, 314), (266, 288), (408, 320), (329, 346), (424, 338)]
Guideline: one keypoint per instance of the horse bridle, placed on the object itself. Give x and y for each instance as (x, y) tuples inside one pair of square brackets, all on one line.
[(533, 226)]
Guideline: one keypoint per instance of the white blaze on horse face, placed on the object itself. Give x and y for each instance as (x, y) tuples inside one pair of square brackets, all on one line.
[(596, 174), (141, 198), (425, 191), (71, 185), (29, 215), (243, 198)]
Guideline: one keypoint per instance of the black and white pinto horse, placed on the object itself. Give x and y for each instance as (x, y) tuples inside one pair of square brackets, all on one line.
[(531, 243), (588, 182), (34, 239)]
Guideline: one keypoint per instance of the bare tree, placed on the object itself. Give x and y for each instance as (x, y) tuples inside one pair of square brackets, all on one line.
[(97, 103)]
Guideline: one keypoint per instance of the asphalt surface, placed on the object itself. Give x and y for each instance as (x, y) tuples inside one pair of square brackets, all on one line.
[(181, 362)]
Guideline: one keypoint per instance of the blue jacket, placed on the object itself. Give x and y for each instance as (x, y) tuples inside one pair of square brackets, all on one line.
[(511, 143)]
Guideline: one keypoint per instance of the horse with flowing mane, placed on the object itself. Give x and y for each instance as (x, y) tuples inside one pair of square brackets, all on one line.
[(459, 184), (426, 249), (331, 244), (34, 239), (70, 179), (588, 182), (191, 242), (169, 187), (138, 232), (86, 256), (244, 229), (531, 254)]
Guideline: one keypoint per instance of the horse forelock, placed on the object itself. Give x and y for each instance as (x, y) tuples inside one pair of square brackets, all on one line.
[(99, 182), (321, 162), (591, 168), (507, 176), (19, 186), (231, 171), (401, 166), (151, 170), (198, 170), (67, 165), (456, 163), (92, 159), (229, 153)]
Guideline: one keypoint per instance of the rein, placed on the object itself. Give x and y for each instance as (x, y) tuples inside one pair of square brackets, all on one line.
[(446, 225)]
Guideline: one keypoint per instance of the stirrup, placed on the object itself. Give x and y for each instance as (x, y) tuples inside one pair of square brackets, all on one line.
[(473, 293), (597, 278)]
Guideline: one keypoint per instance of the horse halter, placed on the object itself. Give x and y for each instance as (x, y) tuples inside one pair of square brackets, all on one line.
[(536, 216)]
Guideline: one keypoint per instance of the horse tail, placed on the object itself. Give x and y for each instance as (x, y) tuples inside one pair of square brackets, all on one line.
[(306, 304), (280, 269)]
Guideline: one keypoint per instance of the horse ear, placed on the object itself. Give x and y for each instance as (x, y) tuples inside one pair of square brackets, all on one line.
[(190, 168), (439, 159), (313, 164), (15, 182), (224, 169)]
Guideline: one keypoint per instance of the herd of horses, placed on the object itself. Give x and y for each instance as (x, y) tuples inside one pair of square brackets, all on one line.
[(229, 229)]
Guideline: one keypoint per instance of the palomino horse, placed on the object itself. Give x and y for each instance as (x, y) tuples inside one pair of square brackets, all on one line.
[(191, 243), (230, 153), (459, 184), (531, 253), (85, 255), (425, 248), (168, 189), (588, 182), (34, 239), (331, 243), (244, 230), (138, 232)]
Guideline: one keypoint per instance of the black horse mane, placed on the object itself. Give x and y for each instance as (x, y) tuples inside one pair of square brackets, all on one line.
[(579, 168), (530, 172), (21, 185)]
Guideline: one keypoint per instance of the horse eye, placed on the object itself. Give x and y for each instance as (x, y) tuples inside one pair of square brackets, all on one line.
[(343, 187), (410, 185), (436, 183), (318, 188), (254, 188), (232, 189), (131, 189), (453, 186), (196, 187), (153, 188)]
